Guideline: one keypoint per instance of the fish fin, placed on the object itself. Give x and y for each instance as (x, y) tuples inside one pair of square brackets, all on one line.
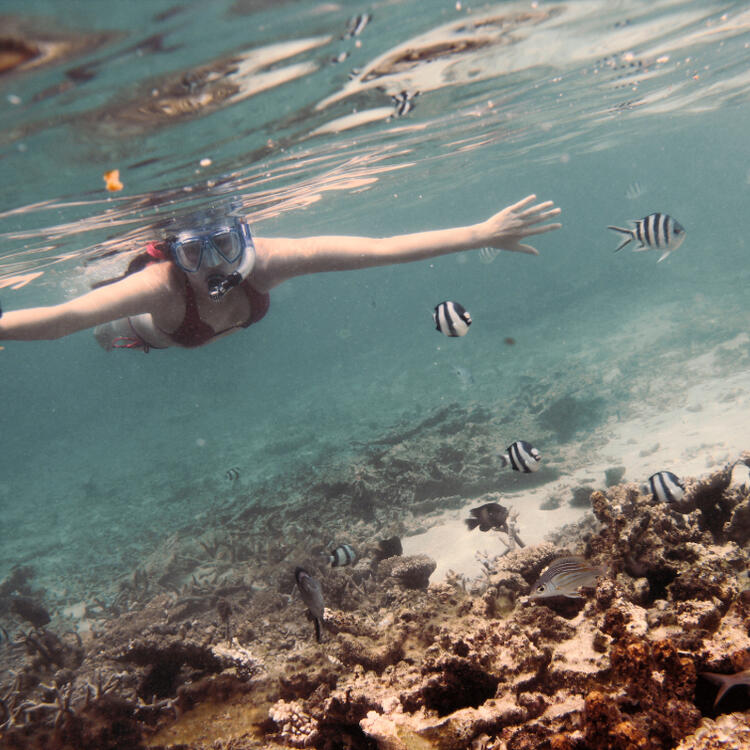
[(472, 523), (504, 460), (641, 248), (318, 636), (664, 255), (625, 242), (484, 527)]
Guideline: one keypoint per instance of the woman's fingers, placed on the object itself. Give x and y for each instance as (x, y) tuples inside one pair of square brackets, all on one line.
[(541, 230)]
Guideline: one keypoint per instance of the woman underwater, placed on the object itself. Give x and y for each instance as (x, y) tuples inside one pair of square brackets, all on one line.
[(213, 278)]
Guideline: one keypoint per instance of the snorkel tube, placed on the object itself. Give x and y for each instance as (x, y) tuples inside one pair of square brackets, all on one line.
[(218, 285)]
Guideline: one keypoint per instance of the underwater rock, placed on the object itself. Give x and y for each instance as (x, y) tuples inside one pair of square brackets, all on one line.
[(412, 572)]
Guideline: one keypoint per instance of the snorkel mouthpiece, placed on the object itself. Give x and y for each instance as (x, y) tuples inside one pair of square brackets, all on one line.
[(218, 286)]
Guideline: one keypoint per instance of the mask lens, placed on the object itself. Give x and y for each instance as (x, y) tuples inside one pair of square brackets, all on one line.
[(227, 243), (188, 254)]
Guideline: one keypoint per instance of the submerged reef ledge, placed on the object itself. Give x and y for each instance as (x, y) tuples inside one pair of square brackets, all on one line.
[(229, 663)]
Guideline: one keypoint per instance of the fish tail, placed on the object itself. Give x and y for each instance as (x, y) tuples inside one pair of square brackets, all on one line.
[(504, 460), (625, 242), (472, 523), (725, 681)]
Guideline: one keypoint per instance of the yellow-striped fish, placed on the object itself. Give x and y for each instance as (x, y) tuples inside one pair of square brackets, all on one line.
[(564, 576)]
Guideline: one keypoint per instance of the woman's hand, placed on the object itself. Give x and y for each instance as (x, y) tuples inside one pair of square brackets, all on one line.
[(506, 229)]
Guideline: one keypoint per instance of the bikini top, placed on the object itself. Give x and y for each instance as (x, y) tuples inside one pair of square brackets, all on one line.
[(195, 332)]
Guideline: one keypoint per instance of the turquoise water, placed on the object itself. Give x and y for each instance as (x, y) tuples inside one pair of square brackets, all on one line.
[(103, 455)]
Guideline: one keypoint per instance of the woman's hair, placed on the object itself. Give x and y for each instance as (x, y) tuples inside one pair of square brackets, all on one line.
[(155, 252)]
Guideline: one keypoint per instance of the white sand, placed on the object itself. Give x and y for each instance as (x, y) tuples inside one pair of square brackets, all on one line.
[(710, 428)]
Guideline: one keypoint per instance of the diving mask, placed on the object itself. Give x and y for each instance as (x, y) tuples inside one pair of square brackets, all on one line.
[(226, 249)]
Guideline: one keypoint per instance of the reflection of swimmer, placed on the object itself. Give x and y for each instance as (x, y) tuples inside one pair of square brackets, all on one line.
[(213, 277)]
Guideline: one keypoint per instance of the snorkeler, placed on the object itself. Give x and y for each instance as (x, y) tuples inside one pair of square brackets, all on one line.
[(213, 277)]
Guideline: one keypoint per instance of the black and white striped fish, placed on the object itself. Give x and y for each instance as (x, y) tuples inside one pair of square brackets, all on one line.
[(521, 456), (564, 577), (404, 102), (664, 486), (653, 232), (357, 25), (344, 554), (451, 318), (232, 474)]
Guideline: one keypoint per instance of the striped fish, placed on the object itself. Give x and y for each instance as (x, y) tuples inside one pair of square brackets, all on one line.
[(727, 681), (563, 577), (404, 102), (664, 486), (451, 319), (653, 232), (356, 25), (344, 554), (521, 456)]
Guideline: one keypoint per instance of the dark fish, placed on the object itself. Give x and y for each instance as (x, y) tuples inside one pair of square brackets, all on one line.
[(29, 610), (357, 25), (727, 681), (653, 232), (233, 474), (509, 341), (344, 554), (451, 319), (404, 103), (390, 547), (312, 596), (563, 577), (664, 486), (488, 516), (521, 456)]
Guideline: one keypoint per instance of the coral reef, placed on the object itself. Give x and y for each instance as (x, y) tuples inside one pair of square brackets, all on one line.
[(207, 644)]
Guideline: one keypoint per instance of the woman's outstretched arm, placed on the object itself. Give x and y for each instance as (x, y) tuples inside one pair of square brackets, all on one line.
[(144, 291), (280, 259)]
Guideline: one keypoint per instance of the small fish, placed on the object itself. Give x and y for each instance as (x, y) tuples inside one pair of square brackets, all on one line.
[(451, 319), (563, 577), (509, 341), (340, 57), (488, 516), (488, 254), (404, 102), (312, 596), (357, 25), (664, 486), (653, 232), (727, 681), (635, 190), (344, 554), (390, 547), (521, 456), (464, 376), (232, 474)]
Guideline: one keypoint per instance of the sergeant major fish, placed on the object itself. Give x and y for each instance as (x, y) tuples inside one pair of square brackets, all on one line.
[(451, 319), (344, 554), (312, 596), (653, 232), (521, 456), (357, 25), (664, 486), (563, 577)]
